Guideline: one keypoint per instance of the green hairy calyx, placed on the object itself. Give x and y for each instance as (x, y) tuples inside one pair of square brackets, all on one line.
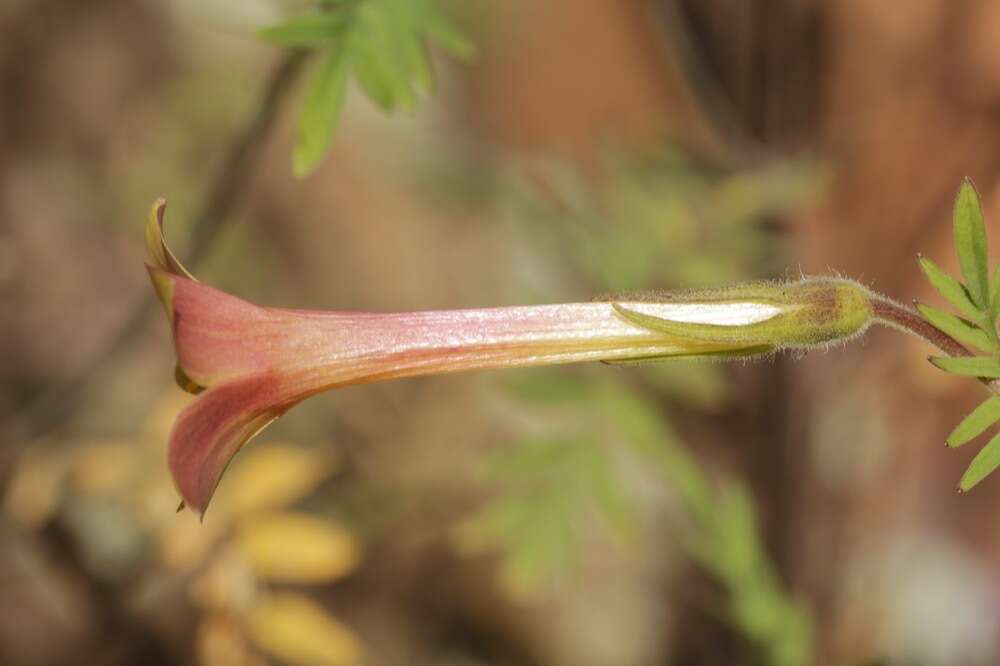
[(757, 318)]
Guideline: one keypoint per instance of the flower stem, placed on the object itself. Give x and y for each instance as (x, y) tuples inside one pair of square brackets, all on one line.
[(896, 315)]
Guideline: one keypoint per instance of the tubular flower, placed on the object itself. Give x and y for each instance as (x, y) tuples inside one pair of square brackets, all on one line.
[(249, 364)]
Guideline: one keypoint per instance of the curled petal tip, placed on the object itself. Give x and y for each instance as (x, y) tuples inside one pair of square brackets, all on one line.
[(159, 254)]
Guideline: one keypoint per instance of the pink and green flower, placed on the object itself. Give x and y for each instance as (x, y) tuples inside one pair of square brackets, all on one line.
[(250, 364)]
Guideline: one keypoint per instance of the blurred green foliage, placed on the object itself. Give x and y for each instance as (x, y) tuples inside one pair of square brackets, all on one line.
[(381, 43), (550, 486), (564, 479), (666, 220)]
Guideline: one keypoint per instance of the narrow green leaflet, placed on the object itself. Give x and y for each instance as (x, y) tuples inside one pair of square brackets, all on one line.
[(306, 31), (378, 65), (413, 53), (973, 425), (375, 77), (399, 36), (963, 331), (949, 287), (449, 37), (969, 366), (995, 296), (383, 43), (979, 300), (982, 465), (970, 241), (319, 113)]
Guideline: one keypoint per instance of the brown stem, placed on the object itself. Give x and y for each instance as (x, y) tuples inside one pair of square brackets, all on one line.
[(895, 315), (898, 316)]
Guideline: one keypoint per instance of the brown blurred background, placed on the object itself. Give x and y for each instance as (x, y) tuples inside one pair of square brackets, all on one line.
[(519, 517)]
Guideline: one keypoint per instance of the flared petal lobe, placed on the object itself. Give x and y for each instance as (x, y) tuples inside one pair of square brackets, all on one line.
[(210, 430)]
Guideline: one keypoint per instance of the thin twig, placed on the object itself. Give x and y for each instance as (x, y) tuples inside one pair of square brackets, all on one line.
[(55, 405)]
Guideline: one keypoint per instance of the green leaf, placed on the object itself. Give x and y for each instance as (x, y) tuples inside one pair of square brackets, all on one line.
[(382, 47), (963, 331), (382, 42), (995, 296), (981, 418), (306, 31), (949, 287), (443, 32), (371, 74), (969, 366), (970, 241), (982, 465), (378, 67), (401, 40), (320, 112), (415, 55)]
